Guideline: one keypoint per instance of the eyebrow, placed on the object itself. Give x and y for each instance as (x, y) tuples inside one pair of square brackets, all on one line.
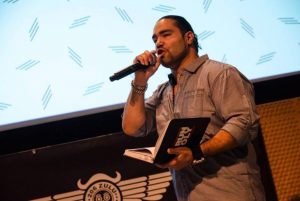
[(154, 36)]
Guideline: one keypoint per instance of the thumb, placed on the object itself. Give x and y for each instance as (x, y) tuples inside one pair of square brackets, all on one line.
[(173, 151)]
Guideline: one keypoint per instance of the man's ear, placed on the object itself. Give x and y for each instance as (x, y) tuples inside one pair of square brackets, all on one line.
[(189, 37)]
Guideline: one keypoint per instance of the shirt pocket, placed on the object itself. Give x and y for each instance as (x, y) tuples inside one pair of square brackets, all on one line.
[(194, 103)]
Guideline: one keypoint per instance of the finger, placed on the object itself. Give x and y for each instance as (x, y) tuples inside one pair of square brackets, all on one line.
[(150, 58), (161, 165), (153, 58), (142, 59), (175, 151), (157, 64), (147, 58), (153, 52)]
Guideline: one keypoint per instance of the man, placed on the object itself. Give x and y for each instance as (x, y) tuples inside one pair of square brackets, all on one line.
[(201, 87)]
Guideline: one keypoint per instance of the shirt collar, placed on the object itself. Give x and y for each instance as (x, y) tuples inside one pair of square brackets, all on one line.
[(196, 64)]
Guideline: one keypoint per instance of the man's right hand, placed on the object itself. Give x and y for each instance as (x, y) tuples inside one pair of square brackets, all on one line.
[(146, 58)]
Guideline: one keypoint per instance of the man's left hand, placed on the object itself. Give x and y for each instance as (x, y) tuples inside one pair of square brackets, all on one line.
[(183, 158)]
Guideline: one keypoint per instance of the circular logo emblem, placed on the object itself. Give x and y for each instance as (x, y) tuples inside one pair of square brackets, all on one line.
[(103, 191)]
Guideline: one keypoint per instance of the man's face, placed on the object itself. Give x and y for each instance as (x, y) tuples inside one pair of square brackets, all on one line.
[(170, 44)]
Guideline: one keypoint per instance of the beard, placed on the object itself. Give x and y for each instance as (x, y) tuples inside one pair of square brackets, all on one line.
[(172, 61)]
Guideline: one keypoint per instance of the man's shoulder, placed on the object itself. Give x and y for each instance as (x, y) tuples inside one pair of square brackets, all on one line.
[(213, 68), (158, 93), (161, 87), (214, 65)]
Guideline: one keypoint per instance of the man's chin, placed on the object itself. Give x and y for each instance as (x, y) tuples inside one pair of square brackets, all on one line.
[(164, 63)]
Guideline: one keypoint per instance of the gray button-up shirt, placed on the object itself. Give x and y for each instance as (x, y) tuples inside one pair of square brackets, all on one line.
[(219, 91)]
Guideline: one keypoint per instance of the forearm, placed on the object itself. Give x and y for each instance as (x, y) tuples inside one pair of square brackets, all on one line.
[(221, 142), (134, 113)]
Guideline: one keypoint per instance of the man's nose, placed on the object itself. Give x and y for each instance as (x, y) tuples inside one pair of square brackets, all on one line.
[(158, 43)]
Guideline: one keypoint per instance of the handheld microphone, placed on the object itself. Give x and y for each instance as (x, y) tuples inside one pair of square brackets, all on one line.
[(130, 69), (127, 71)]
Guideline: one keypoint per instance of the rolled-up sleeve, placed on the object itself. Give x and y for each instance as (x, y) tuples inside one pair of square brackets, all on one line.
[(233, 96)]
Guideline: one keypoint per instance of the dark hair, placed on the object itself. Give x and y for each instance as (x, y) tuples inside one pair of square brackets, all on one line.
[(184, 27)]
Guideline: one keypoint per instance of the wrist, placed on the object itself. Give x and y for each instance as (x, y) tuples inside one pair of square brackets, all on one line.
[(140, 78), (198, 156), (139, 89), (139, 82)]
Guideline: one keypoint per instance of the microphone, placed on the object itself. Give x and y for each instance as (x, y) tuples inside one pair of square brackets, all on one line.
[(127, 71)]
